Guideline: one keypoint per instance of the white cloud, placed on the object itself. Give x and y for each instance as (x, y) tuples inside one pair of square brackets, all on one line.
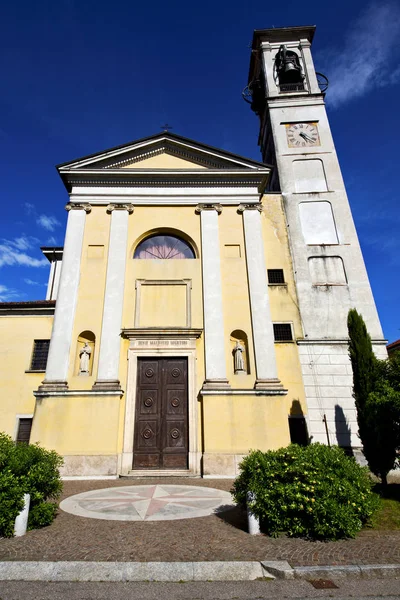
[(29, 208), (8, 294), (31, 282), (23, 242), (48, 222), (370, 55), (12, 253), (52, 241)]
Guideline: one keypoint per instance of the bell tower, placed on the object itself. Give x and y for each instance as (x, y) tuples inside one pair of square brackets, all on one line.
[(288, 95)]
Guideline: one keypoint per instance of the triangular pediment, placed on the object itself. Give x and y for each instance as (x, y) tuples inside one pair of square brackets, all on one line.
[(164, 151)]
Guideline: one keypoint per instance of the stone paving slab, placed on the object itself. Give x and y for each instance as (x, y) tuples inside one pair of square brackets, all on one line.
[(218, 537)]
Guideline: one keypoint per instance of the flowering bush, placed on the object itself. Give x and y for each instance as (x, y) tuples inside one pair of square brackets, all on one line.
[(313, 491), (27, 469)]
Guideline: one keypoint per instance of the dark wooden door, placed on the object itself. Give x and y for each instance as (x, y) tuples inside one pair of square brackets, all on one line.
[(161, 418)]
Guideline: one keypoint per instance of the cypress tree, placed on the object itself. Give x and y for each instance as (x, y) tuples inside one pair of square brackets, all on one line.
[(365, 367), (376, 391)]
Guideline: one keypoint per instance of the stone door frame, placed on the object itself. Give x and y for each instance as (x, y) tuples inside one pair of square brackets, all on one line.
[(161, 346)]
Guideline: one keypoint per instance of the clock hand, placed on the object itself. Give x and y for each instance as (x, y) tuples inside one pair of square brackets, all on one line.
[(306, 137)]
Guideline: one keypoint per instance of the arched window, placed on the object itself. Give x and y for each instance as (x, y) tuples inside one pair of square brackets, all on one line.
[(162, 247)]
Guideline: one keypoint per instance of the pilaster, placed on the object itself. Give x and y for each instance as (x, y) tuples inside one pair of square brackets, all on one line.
[(263, 332), (214, 335), (110, 341), (60, 344)]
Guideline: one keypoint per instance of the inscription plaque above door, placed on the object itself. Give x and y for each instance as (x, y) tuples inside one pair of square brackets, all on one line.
[(161, 418)]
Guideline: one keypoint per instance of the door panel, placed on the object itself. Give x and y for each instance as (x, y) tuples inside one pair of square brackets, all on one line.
[(161, 427)]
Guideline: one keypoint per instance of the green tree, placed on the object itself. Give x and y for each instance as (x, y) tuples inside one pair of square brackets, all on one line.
[(376, 391), (365, 369), (383, 420)]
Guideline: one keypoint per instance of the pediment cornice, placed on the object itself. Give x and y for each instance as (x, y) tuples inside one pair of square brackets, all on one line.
[(166, 178), (190, 150)]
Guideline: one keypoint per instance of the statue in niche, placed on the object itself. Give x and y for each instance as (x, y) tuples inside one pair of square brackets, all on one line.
[(84, 356), (238, 358)]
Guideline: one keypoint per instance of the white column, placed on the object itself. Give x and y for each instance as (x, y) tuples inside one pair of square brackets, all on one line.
[(214, 336), (263, 331), (110, 342), (60, 344)]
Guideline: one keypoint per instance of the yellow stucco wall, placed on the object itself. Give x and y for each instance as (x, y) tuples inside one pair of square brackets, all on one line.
[(163, 161), (87, 425), (237, 424), (17, 335)]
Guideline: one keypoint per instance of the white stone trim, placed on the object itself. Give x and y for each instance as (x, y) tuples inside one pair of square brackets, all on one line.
[(214, 334), (247, 392), (110, 342), (207, 152), (68, 393), (61, 336), (263, 332), (156, 348)]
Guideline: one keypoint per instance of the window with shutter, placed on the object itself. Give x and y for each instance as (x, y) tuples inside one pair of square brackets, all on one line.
[(24, 430), (39, 355)]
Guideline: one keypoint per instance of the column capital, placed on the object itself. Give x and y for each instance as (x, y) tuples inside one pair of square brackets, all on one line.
[(129, 207), (79, 206), (243, 207), (200, 207)]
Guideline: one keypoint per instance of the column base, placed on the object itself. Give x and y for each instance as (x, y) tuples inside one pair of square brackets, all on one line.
[(216, 384), (268, 384), (55, 385), (106, 385)]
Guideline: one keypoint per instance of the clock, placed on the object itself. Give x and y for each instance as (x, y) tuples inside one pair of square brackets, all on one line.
[(302, 135)]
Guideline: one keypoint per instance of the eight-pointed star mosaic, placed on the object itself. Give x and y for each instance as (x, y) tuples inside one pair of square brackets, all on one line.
[(148, 503)]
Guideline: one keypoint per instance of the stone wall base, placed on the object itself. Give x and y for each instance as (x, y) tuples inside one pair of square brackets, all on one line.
[(89, 465), (221, 465)]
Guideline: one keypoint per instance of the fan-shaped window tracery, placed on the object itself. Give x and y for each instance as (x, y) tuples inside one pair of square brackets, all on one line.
[(162, 247)]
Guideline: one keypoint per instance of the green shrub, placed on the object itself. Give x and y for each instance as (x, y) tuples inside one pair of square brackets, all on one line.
[(313, 491), (42, 514), (11, 502), (27, 469)]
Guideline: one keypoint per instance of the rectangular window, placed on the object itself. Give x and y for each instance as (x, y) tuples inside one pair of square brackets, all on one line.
[(275, 276), (24, 430), (39, 356), (283, 332)]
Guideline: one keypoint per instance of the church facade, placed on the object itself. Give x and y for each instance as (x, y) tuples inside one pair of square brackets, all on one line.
[(198, 307)]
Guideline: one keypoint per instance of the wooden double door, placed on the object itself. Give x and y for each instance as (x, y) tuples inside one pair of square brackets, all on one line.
[(161, 417)]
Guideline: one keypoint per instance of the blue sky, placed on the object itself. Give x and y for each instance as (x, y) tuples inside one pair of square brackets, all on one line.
[(80, 76)]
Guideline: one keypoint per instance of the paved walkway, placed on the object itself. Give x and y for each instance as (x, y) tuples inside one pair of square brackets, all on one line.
[(219, 536)]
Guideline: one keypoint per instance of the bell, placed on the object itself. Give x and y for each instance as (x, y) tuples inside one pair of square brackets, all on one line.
[(290, 66)]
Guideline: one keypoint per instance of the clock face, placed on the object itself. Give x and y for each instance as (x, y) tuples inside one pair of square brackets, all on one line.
[(301, 135)]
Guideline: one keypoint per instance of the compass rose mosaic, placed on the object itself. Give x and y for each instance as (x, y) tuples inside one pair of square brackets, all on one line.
[(148, 503)]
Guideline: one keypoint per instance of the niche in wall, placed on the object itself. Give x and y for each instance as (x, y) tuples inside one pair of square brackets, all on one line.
[(85, 349), (327, 270), (317, 223), (240, 352), (309, 175)]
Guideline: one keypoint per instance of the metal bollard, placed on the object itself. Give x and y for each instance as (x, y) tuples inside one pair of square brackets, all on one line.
[(252, 521), (21, 522)]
